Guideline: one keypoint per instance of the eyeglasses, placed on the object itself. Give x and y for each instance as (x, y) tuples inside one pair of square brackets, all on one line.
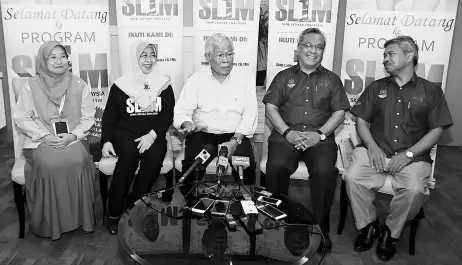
[(144, 57), (308, 46), (221, 56), (54, 59)]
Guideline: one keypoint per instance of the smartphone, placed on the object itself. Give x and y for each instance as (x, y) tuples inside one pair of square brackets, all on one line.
[(269, 200), (272, 212), (247, 197), (60, 127), (220, 208), (250, 224), (202, 205), (260, 191)]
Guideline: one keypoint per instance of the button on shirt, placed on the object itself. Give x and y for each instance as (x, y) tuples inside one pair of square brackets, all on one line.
[(400, 116), (229, 107), (306, 102)]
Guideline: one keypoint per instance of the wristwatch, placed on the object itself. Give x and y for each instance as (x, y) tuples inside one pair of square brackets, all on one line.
[(410, 154), (322, 136), (238, 139)]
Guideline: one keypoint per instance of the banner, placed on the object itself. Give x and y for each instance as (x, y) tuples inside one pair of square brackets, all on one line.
[(81, 26), (238, 19), (287, 19), (159, 22), (370, 23)]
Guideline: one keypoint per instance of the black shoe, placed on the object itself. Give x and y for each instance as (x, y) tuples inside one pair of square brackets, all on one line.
[(365, 238), (326, 246), (386, 248), (111, 224)]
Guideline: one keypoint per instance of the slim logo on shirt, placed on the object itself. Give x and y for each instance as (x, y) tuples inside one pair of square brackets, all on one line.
[(383, 93), (136, 110)]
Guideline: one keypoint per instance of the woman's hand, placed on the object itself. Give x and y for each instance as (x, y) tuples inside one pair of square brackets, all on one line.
[(108, 150), (49, 139), (63, 140), (145, 142)]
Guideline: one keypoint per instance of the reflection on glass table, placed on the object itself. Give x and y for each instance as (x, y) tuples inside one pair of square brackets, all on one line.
[(157, 232)]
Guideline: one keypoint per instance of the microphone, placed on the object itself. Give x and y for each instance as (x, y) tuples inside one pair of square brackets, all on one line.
[(240, 163), (222, 162), (208, 151)]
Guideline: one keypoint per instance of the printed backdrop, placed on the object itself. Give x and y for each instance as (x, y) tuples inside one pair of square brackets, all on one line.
[(369, 25), (82, 27), (160, 22), (287, 19), (238, 19)]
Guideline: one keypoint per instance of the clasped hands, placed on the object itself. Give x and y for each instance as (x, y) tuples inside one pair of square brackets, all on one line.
[(60, 141), (377, 160), (303, 140)]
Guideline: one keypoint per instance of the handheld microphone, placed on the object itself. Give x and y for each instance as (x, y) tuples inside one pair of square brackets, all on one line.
[(208, 152), (222, 162), (240, 163)]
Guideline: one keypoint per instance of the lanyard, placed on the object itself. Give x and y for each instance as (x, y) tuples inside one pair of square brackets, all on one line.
[(61, 107)]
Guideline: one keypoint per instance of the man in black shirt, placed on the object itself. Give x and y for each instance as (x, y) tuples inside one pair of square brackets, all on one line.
[(399, 119), (305, 103)]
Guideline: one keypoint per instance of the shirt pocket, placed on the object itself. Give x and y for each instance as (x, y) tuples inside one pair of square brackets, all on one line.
[(419, 106), (321, 100), (236, 103)]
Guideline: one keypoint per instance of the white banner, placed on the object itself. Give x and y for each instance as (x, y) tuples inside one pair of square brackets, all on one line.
[(81, 26), (370, 23), (287, 19), (238, 19), (159, 22)]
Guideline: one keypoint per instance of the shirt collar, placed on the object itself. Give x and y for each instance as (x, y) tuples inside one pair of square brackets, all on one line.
[(319, 69), (413, 79)]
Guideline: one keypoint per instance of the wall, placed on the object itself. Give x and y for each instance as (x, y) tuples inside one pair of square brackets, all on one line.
[(452, 136)]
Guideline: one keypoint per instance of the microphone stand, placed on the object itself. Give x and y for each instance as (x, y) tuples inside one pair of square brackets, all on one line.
[(217, 186)]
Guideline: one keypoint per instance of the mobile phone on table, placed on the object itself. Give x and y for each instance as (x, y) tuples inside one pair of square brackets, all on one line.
[(269, 200), (260, 191), (250, 224), (220, 208), (202, 206), (272, 212)]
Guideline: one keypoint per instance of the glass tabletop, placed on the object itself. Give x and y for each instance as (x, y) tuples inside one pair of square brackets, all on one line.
[(158, 232)]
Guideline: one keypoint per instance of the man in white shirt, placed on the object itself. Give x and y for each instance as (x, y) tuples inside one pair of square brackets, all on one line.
[(218, 105)]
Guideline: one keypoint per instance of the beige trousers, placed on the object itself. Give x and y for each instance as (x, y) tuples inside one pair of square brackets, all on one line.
[(409, 185)]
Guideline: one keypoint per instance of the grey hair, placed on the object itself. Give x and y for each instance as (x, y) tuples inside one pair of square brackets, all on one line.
[(407, 44), (309, 31), (215, 40)]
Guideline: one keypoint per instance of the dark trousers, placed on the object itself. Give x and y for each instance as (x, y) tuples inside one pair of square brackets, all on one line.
[(150, 163), (320, 160), (195, 142)]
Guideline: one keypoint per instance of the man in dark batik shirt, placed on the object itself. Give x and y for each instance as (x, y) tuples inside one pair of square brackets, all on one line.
[(305, 103), (399, 119)]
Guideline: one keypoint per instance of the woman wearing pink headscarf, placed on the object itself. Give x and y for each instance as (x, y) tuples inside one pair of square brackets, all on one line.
[(55, 112)]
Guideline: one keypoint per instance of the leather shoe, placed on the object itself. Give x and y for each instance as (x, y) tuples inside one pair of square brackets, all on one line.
[(326, 246), (386, 248), (365, 238), (111, 224)]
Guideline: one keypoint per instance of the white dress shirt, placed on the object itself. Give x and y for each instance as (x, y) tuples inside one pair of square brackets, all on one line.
[(229, 107)]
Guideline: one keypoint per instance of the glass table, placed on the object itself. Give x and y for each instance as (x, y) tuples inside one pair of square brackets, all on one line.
[(156, 232)]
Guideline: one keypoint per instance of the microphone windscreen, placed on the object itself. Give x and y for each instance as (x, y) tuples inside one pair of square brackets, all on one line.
[(212, 150), (223, 151)]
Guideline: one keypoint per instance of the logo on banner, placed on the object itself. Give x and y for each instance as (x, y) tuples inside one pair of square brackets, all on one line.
[(150, 8), (304, 10), (242, 10)]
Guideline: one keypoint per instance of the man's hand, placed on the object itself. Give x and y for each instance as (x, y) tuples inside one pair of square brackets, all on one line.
[(231, 145), (108, 150), (307, 140), (376, 158), (145, 142), (63, 140), (398, 162), (189, 127)]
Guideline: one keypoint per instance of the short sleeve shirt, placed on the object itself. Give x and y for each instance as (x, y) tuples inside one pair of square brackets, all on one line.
[(306, 102), (400, 116)]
